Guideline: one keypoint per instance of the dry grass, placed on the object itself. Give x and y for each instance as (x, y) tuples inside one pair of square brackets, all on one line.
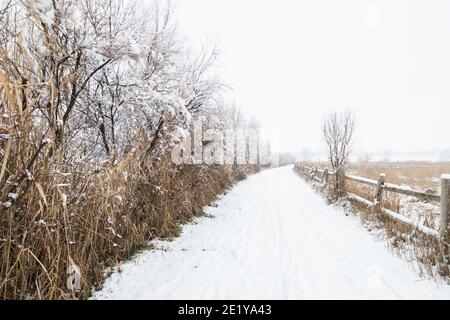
[(430, 256), (55, 213), (64, 200), (419, 175), (115, 214)]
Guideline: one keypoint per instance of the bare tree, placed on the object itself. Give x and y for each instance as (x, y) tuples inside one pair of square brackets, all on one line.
[(338, 129)]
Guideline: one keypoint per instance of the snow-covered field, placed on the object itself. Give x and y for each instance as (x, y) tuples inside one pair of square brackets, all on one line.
[(271, 237)]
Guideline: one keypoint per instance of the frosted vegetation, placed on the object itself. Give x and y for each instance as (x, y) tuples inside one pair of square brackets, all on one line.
[(94, 95), (104, 70)]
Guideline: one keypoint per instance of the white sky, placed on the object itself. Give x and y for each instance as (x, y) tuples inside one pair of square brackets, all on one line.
[(290, 61)]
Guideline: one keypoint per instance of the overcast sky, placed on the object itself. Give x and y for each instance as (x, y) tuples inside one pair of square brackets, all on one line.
[(291, 61)]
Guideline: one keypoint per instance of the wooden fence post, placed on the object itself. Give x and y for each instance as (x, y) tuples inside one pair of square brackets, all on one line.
[(445, 205), (380, 188), (340, 181), (343, 181), (325, 175)]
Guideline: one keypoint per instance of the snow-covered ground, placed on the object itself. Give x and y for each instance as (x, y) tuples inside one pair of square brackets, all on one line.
[(271, 237)]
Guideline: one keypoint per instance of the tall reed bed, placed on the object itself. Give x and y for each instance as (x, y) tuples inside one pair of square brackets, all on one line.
[(53, 217), (93, 97)]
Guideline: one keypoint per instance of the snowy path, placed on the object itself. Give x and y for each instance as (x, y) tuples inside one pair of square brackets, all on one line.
[(271, 237)]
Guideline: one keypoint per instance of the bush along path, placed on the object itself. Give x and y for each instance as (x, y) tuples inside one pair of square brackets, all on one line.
[(271, 237)]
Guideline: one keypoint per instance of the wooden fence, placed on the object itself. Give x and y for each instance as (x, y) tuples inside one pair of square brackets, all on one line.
[(323, 176)]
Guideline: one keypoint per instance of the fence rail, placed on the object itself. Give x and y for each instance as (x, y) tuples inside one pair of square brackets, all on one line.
[(322, 175)]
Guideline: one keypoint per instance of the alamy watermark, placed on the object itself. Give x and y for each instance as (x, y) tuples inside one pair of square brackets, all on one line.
[(223, 147)]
